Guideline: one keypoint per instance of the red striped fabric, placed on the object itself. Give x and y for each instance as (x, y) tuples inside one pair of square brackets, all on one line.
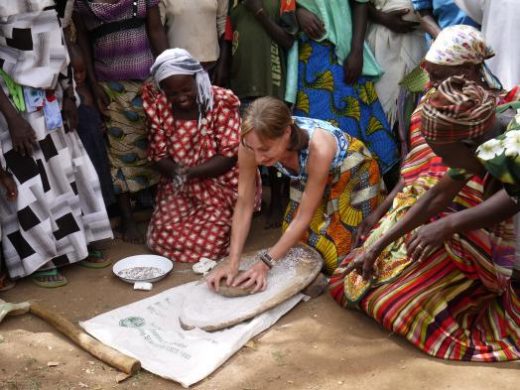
[(459, 304)]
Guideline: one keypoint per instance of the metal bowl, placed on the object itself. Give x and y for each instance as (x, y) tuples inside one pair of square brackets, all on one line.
[(162, 263)]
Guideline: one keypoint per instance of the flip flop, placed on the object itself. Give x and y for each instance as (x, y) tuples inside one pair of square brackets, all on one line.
[(96, 260), (49, 279), (204, 266)]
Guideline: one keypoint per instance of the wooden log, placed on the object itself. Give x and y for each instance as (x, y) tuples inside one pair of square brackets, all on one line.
[(99, 350)]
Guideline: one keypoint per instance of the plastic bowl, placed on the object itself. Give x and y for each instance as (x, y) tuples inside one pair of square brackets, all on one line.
[(164, 264)]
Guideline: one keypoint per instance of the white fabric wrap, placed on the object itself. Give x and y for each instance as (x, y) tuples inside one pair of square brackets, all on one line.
[(398, 54)]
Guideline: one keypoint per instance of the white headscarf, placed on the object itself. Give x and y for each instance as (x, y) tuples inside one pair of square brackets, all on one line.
[(178, 62), (460, 44), (457, 45)]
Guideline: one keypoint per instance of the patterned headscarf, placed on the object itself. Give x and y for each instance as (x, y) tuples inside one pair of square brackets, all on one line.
[(178, 62), (458, 110), (461, 44)]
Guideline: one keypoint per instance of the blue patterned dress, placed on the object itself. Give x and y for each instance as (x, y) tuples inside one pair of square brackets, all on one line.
[(355, 109)]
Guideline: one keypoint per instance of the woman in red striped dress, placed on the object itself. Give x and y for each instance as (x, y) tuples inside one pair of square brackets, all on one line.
[(457, 301)]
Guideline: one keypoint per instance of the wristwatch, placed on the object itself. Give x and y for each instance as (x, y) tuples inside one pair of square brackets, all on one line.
[(266, 258)]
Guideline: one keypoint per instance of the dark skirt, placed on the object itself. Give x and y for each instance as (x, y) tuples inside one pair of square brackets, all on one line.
[(91, 135)]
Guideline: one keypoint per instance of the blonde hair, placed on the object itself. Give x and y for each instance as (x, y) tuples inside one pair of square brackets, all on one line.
[(268, 117)]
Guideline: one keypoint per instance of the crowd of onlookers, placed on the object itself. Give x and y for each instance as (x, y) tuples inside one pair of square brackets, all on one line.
[(348, 110)]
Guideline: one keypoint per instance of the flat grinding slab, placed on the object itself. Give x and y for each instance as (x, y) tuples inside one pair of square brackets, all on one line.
[(209, 311)]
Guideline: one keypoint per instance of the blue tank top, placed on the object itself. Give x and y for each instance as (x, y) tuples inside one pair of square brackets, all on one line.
[(309, 125)]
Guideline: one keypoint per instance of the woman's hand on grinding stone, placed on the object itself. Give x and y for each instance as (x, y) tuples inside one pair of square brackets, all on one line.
[(225, 271), (254, 276)]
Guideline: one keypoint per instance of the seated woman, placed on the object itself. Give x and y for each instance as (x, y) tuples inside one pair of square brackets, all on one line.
[(336, 184), (194, 138), (451, 288), (446, 57)]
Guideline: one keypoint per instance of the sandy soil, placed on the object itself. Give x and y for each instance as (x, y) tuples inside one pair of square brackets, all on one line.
[(317, 345)]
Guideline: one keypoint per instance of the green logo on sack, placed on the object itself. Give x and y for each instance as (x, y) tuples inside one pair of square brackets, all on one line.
[(132, 322)]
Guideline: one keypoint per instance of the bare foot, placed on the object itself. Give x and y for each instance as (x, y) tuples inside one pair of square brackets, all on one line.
[(129, 232)]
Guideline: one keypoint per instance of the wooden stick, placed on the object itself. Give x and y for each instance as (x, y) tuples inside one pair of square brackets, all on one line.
[(101, 351)]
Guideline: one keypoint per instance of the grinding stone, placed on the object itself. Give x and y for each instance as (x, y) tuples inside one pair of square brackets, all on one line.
[(209, 311), (233, 292)]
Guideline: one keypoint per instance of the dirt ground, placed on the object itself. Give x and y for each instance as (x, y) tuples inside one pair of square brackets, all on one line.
[(317, 345)]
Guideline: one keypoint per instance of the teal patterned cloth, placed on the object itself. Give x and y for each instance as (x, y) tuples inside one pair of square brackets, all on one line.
[(501, 157)]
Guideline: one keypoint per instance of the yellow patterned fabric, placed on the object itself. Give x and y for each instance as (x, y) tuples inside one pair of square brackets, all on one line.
[(127, 138), (353, 191)]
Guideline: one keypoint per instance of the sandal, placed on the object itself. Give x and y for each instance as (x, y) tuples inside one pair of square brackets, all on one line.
[(5, 282), (49, 279), (96, 259)]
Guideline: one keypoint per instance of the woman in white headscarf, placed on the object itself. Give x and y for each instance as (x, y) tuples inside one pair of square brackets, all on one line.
[(194, 131)]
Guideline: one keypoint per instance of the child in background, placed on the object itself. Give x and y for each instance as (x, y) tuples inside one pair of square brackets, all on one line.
[(91, 128)]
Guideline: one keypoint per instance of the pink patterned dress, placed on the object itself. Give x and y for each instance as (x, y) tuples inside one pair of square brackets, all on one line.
[(194, 220)]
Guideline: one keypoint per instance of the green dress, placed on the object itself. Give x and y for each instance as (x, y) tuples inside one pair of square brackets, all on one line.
[(259, 63)]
